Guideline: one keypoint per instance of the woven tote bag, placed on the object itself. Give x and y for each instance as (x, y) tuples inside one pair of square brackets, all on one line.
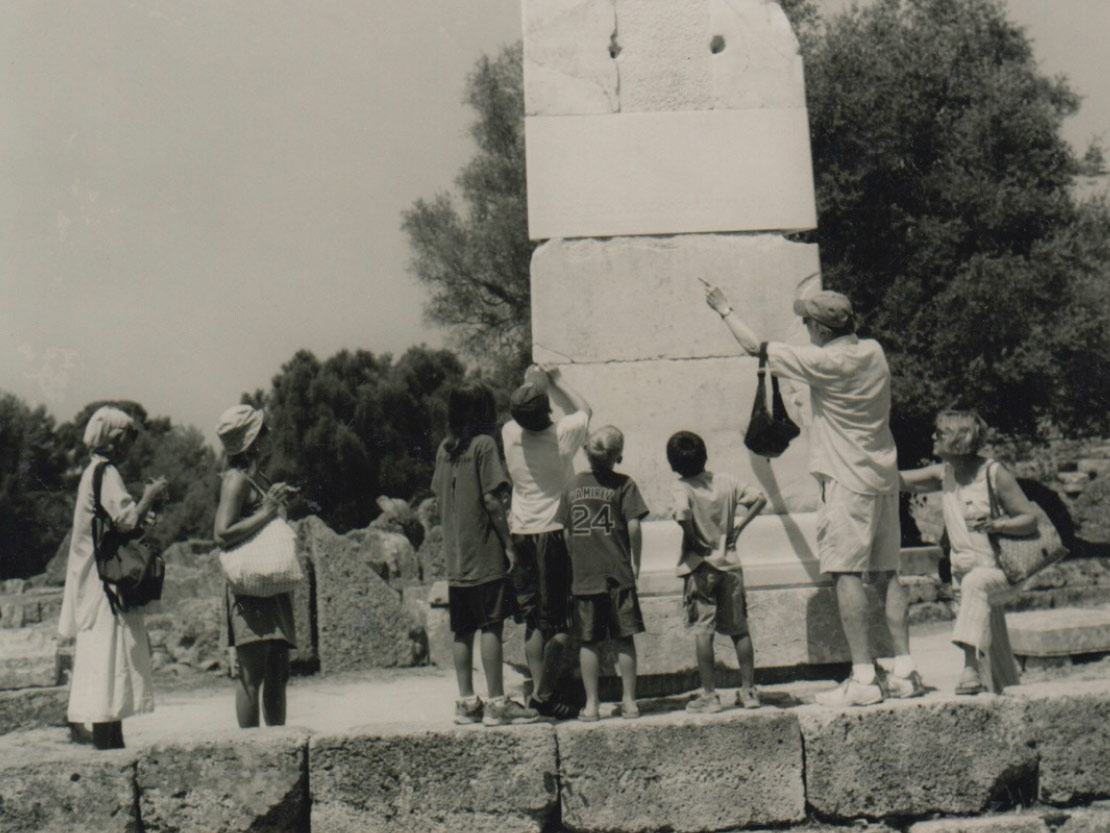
[(265, 564), (1023, 556)]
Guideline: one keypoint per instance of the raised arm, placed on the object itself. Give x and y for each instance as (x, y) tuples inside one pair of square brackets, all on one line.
[(744, 335), (577, 401), (230, 529), (920, 481)]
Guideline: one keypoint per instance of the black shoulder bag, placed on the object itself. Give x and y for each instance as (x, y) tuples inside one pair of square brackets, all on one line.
[(770, 430), (131, 571)]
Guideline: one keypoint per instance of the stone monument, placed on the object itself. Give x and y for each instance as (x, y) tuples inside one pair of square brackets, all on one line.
[(668, 142)]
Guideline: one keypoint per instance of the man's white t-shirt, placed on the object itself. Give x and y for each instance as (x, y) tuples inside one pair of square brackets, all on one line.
[(849, 383), (541, 463)]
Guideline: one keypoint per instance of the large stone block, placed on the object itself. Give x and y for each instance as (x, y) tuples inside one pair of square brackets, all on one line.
[(361, 621), (682, 773), (1006, 823), (669, 173), (641, 55), (31, 607), (33, 708), (436, 781), (256, 781), (1059, 632), (568, 67), (57, 788), (906, 758), (706, 55), (645, 301), (28, 657), (650, 400), (1071, 729)]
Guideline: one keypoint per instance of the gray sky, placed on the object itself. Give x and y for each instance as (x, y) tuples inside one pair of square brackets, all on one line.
[(193, 191)]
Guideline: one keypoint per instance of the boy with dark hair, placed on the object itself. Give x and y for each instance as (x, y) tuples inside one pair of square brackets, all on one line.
[(704, 504), (601, 511), (540, 456)]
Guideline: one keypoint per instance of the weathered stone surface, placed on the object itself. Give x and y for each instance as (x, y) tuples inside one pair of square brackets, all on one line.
[(1072, 735), (909, 758), (707, 54), (30, 607), (451, 781), (32, 708), (1059, 632), (256, 781), (1007, 823), (568, 67), (432, 564), (390, 553), (1094, 819), (28, 657), (668, 173), (682, 773), (361, 621), (634, 280), (650, 400), (58, 788)]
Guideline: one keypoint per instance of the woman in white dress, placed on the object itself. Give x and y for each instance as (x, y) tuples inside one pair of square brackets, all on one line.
[(961, 478), (111, 676)]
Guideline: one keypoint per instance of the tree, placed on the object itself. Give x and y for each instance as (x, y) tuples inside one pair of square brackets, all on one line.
[(357, 426), (945, 214), (476, 263)]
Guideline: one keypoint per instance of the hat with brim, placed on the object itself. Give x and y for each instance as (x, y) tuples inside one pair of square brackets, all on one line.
[(530, 406), (827, 307), (238, 428)]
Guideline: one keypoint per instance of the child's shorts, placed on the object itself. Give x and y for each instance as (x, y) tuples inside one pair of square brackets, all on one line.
[(714, 601), (614, 614), (542, 582), (479, 606)]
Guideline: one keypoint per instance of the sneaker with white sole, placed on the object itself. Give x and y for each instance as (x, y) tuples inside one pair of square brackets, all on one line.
[(705, 704), (506, 712), (468, 711), (851, 693), (902, 688)]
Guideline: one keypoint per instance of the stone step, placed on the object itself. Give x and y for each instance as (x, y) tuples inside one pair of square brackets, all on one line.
[(1059, 632), (28, 658)]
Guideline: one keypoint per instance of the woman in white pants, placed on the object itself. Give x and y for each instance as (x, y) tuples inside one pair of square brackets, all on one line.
[(961, 478)]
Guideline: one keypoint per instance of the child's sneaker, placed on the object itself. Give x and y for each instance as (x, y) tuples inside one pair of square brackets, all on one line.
[(553, 708), (902, 688), (747, 698), (505, 712), (705, 704), (468, 711), (851, 693)]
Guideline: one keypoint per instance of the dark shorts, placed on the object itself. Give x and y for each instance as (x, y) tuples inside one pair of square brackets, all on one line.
[(542, 582), (714, 601), (479, 606), (614, 614)]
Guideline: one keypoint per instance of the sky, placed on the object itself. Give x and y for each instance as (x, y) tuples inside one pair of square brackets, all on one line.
[(191, 192)]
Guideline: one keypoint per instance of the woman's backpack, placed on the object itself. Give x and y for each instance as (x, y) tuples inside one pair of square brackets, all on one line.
[(131, 571), (770, 430)]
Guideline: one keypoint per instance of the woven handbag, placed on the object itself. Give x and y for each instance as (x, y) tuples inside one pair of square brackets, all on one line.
[(770, 430), (1022, 556), (265, 564)]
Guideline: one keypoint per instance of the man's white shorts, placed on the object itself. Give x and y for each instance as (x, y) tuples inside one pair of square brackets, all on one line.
[(857, 533)]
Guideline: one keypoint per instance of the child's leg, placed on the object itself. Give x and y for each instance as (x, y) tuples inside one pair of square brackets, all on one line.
[(274, 683), (591, 671), (462, 652), (704, 646), (745, 657), (492, 660), (252, 671), (626, 662)]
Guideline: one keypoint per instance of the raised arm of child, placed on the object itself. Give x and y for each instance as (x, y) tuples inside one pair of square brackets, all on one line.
[(577, 400)]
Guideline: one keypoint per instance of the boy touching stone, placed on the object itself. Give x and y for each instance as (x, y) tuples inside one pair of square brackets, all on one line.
[(601, 512), (704, 504)]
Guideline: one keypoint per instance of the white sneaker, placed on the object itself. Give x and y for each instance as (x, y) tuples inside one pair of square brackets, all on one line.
[(851, 693)]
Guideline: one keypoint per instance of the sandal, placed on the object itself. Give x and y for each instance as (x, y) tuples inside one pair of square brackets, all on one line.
[(969, 684)]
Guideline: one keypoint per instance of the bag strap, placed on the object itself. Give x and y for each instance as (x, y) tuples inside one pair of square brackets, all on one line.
[(992, 495), (762, 357), (97, 484), (114, 602)]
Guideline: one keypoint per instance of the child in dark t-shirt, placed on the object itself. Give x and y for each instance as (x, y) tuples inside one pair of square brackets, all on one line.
[(469, 483), (601, 512)]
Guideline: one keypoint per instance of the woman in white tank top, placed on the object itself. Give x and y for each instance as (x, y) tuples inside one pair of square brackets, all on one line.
[(961, 478)]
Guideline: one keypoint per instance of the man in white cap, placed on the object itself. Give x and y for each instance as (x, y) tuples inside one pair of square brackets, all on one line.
[(853, 457)]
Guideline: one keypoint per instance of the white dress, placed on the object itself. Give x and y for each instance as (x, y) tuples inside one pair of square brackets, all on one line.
[(112, 675)]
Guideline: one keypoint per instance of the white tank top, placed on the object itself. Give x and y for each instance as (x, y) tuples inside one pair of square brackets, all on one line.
[(961, 504)]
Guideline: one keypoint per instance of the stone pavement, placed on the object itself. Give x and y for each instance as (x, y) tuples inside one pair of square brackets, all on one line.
[(423, 695)]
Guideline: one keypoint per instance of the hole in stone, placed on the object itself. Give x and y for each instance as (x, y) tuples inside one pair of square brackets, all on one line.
[(717, 45), (614, 47)]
